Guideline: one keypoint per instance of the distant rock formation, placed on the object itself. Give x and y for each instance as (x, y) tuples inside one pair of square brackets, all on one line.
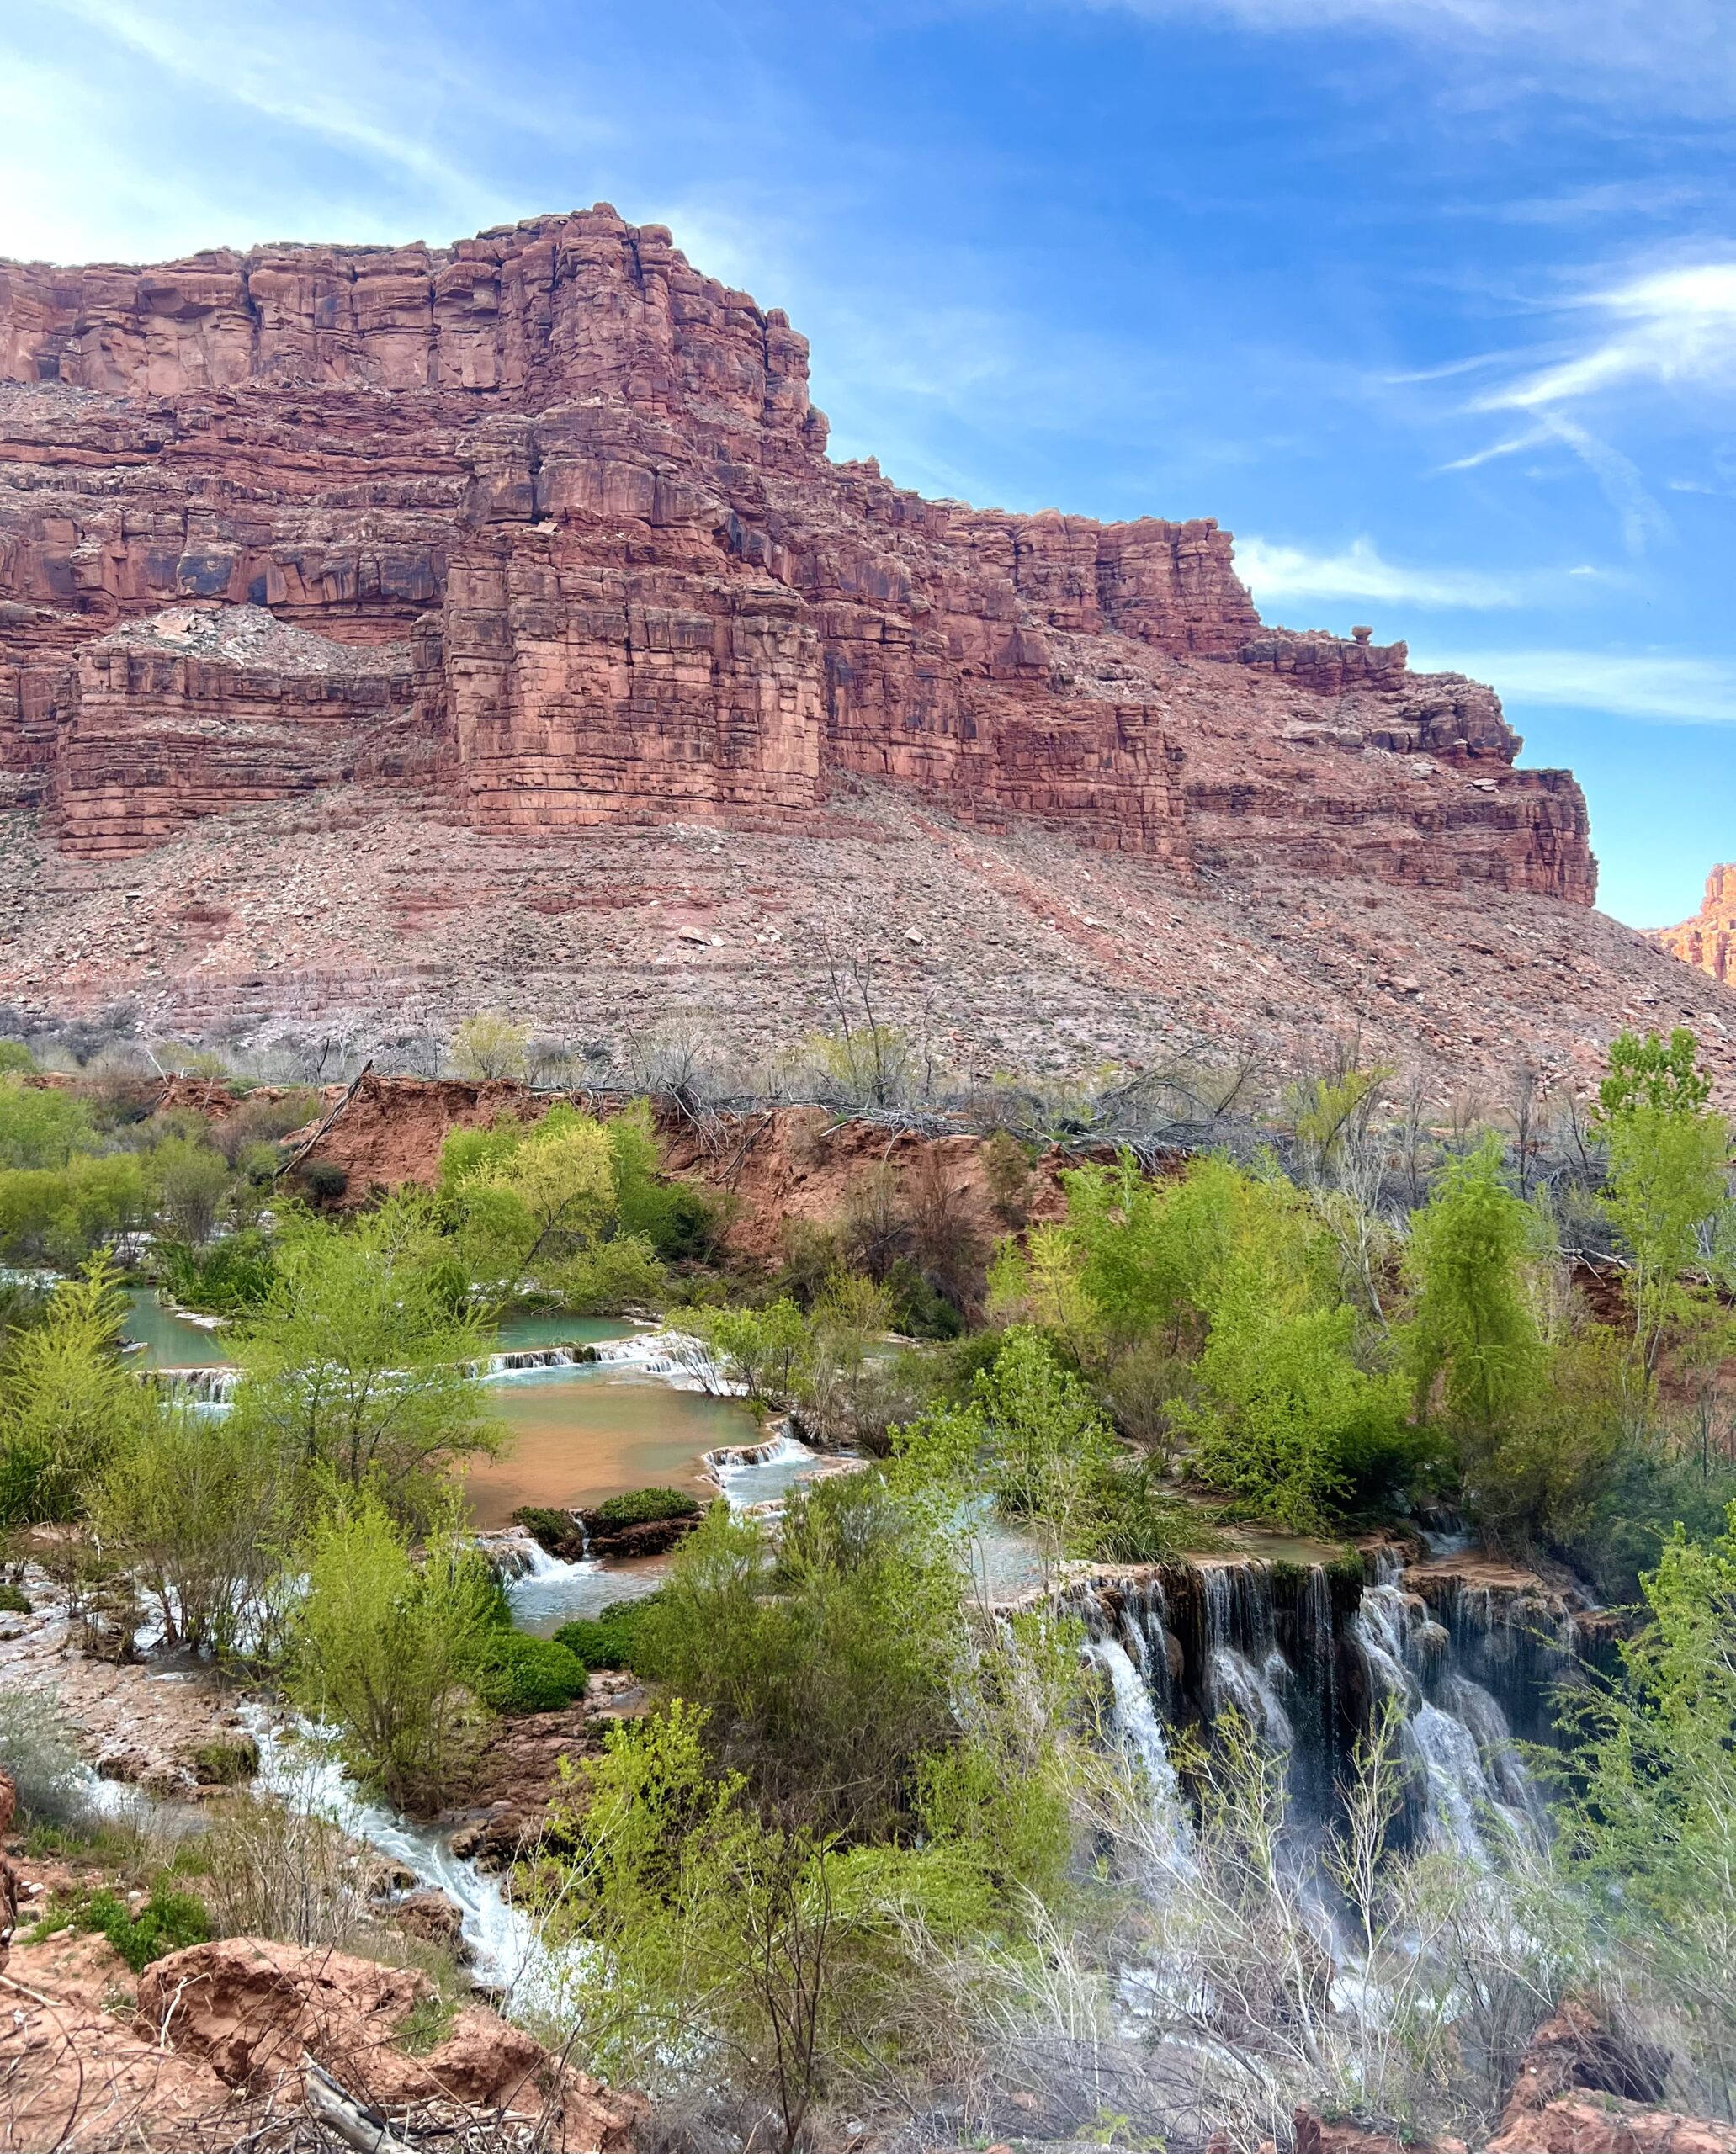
[(540, 527), (1708, 940)]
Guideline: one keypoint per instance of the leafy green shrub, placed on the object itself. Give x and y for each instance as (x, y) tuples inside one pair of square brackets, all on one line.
[(168, 1922), (516, 1673), (608, 1640), (642, 1505), (386, 1648), (222, 1764), (14, 1600), (234, 1273)]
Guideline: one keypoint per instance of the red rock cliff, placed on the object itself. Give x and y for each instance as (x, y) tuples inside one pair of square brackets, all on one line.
[(1708, 940), (543, 523)]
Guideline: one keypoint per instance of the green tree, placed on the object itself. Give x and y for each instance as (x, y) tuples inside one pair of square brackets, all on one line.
[(66, 1401), (360, 1362), (61, 1215), (767, 1352), (39, 1126), (1655, 1075), (490, 1046), (1667, 1185), (1473, 1332), (193, 1181), (1050, 1443), (196, 1505), (528, 1200), (1651, 1814), (384, 1647), (825, 1661)]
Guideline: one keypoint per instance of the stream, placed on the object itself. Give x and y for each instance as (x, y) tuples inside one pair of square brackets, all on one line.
[(1303, 1648)]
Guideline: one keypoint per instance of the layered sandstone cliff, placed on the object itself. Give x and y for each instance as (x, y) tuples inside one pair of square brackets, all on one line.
[(539, 529), (1708, 940)]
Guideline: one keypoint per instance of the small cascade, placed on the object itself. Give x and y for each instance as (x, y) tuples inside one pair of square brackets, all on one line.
[(1244, 1669), (675, 1356), (208, 1385), (1463, 1767), (521, 1360), (781, 1450), (297, 1767)]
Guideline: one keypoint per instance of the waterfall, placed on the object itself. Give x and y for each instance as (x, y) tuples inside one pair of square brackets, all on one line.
[(1133, 1724), (1464, 1768), (296, 1767), (203, 1386), (1310, 1660), (519, 1359), (1245, 1670)]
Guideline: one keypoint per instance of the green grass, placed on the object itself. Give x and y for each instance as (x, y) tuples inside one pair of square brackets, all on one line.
[(168, 1921)]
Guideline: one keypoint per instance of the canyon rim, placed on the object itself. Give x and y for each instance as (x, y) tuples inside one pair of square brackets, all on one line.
[(389, 633)]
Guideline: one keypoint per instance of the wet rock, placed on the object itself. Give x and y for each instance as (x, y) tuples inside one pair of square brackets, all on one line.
[(431, 1916)]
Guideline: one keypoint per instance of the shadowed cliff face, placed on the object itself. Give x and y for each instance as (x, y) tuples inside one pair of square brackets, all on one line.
[(540, 528)]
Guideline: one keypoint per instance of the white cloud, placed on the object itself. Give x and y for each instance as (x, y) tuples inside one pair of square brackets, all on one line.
[(1673, 326), (1660, 686), (1273, 572)]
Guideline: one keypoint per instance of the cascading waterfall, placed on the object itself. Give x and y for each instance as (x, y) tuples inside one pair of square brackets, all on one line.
[(213, 1385), (1243, 1667), (1309, 1660), (297, 1767), (1134, 1726)]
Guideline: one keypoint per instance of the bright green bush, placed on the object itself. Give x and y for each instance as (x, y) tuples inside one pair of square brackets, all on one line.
[(609, 1640), (516, 1673), (386, 1646), (41, 1126), (234, 1273), (67, 1400)]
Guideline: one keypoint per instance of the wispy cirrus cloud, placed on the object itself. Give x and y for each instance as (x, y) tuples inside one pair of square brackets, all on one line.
[(1674, 327), (1665, 687), (1677, 53)]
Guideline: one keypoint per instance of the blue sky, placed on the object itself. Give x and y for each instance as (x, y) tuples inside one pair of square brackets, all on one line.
[(1431, 302)]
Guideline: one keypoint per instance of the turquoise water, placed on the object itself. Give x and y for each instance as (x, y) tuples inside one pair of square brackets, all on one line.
[(575, 1434), (170, 1341)]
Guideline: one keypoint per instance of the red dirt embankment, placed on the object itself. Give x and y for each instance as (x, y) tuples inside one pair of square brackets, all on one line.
[(778, 1167)]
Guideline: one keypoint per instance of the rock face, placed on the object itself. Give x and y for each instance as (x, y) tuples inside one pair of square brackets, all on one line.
[(540, 527), (1708, 941)]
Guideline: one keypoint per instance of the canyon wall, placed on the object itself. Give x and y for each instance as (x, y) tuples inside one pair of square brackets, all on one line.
[(541, 526), (1707, 941)]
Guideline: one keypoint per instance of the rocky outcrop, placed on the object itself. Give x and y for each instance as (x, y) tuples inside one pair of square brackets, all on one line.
[(1707, 941), (540, 527), (232, 2044)]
